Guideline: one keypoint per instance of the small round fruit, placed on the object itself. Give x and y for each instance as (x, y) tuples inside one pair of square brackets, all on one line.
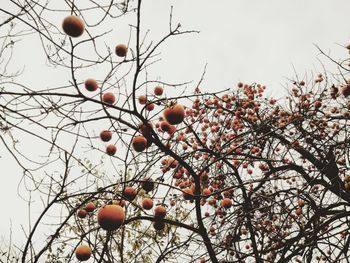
[(226, 203), (90, 207), (83, 252), (206, 191), (174, 114), (121, 50), (150, 106), (110, 217), (106, 136), (111, 149), (165, 126), (147, 185), (188, 194), (142, 99), (139, 143), (82, 213), (122, 202), (345, 91), (91, 85), (129, 193), (158, 225), (147, 203), (73, 26), (160, 212), (158, 91), (108, 97)]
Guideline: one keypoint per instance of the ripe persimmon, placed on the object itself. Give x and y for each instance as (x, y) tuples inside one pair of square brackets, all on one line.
[(83, 252), (226, 203), (158, 91), (159, 225), (129, 193), (147, 184), (111, 149), (82, 213), (73, 26), (142, 99), (121, 50), (108, 97), (110, 217), (174, 114), (159, 212), (106, 136), (188, 194), (90, 207), (91, 85), (147, 203), (139, 143)]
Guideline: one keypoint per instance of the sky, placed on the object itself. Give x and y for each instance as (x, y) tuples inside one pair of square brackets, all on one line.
[(248, 41)]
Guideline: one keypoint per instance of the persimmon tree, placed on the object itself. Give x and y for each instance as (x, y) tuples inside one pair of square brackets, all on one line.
[(137, 169)]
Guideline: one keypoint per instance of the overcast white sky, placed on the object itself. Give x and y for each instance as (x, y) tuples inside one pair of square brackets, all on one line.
[(249, 41)]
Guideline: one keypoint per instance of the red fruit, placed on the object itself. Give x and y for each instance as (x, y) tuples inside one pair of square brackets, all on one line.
[(226, 203), (108, 98), (142, 99), (90, 207), (111, 149), (174, 114), (139, 143), (83, 252), (147, 184), (129, 193), (91, 85), (158, 91), (147, 203), (111, 217), (106, 136), (206, 191), (301, 202), (73, 26), (172, 130), (122, 203), (188, 194), (121, 50), (160, 212), (345, 90), (82, 213), (150, 106), (158, 225), (146, 129), (318, 104), (165, 126)]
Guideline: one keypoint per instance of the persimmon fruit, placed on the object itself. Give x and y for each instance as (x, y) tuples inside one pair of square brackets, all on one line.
[(147, 185), (174, 114), (226, 203), (129, 193), (139, 143), (106, 136), (158, 91), (82, 213), (73, 26), (159, 212), (110, 217), (111, 149), (121, 50), (108, 97), (159, 225), (83, 252), (147, 203), (90, 207), (91, 85)]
